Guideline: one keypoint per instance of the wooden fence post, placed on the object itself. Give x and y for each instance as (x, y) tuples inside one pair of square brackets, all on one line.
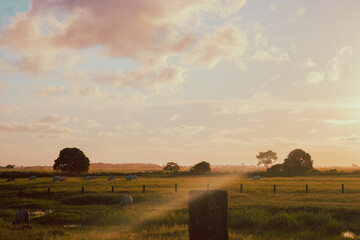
[(82, 190), (175, 187), (112, 188), (274, 188), (143, 188), (208, 187), (306, 188), (208, 215), (342, 188), (49, 193), (241, 188), (20, 193)]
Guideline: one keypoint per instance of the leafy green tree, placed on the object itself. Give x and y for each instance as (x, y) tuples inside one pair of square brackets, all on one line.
[(72, 160), (201, 167), (171, 167), (298, 162), (266, 158)]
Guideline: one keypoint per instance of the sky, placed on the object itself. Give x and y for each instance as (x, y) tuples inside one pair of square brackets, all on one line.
[(185, 81)]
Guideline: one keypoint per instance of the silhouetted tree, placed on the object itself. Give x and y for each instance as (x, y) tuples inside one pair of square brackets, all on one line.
[(171, 167), (297, 162), (276, 170), (266, 158), (72, 160), (201, 167), (10, 166)]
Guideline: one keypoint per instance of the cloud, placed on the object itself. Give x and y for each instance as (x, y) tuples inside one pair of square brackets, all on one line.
[(300, 12), (92, 124), (133, 126), (54, 118), (235, 131), (43, 128), (338, 62), (92, 91), (313, 130), (338, 122), (174, 118), (230, 7), (273, 7), (351, 138), (227, 42), (49, 91), (315, 77), (309, 63), (163, 81), (244, 109), (52, 32), (183, 130), (272, 54), (336, 66)]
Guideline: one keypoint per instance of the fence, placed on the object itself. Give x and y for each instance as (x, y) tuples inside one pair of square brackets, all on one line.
[(242, 187)]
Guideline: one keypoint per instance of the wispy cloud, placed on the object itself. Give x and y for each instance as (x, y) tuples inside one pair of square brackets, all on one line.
[(300, 12), (272, 54), (92, 124), (50, 91), (309, 63), (334, 70), (34, 128), (336, 65), (227, 42), (315, 77), (182, 130), (338, 122), (273, 7), (351, 138), (54, 118)]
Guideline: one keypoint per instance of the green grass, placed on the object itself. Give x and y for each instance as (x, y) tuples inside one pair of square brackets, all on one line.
[(161, 213)]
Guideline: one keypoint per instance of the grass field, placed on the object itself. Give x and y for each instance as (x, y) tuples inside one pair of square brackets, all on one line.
[(161, 213)]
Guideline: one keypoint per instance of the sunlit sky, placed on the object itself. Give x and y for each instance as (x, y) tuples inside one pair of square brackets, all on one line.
[(186, 81)]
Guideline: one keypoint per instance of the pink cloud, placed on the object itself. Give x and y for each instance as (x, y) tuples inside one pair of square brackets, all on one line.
[(125, 28), (54, 118), (162, 81), (226, 43), (144, 30)]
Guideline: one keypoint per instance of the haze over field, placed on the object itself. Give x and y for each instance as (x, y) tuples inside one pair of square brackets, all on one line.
[(184, 81)]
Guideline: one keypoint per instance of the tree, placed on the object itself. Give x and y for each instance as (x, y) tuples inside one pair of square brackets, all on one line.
[(72, 160), (201, 167), (298, 162), (171, 167), (10, 166), (266, 158), (276, 170)]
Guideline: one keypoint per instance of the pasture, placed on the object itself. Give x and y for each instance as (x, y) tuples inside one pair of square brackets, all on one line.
[(161, 213)]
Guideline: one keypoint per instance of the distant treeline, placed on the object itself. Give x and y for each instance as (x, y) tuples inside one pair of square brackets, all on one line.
[(27, 174), (331, 172)]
